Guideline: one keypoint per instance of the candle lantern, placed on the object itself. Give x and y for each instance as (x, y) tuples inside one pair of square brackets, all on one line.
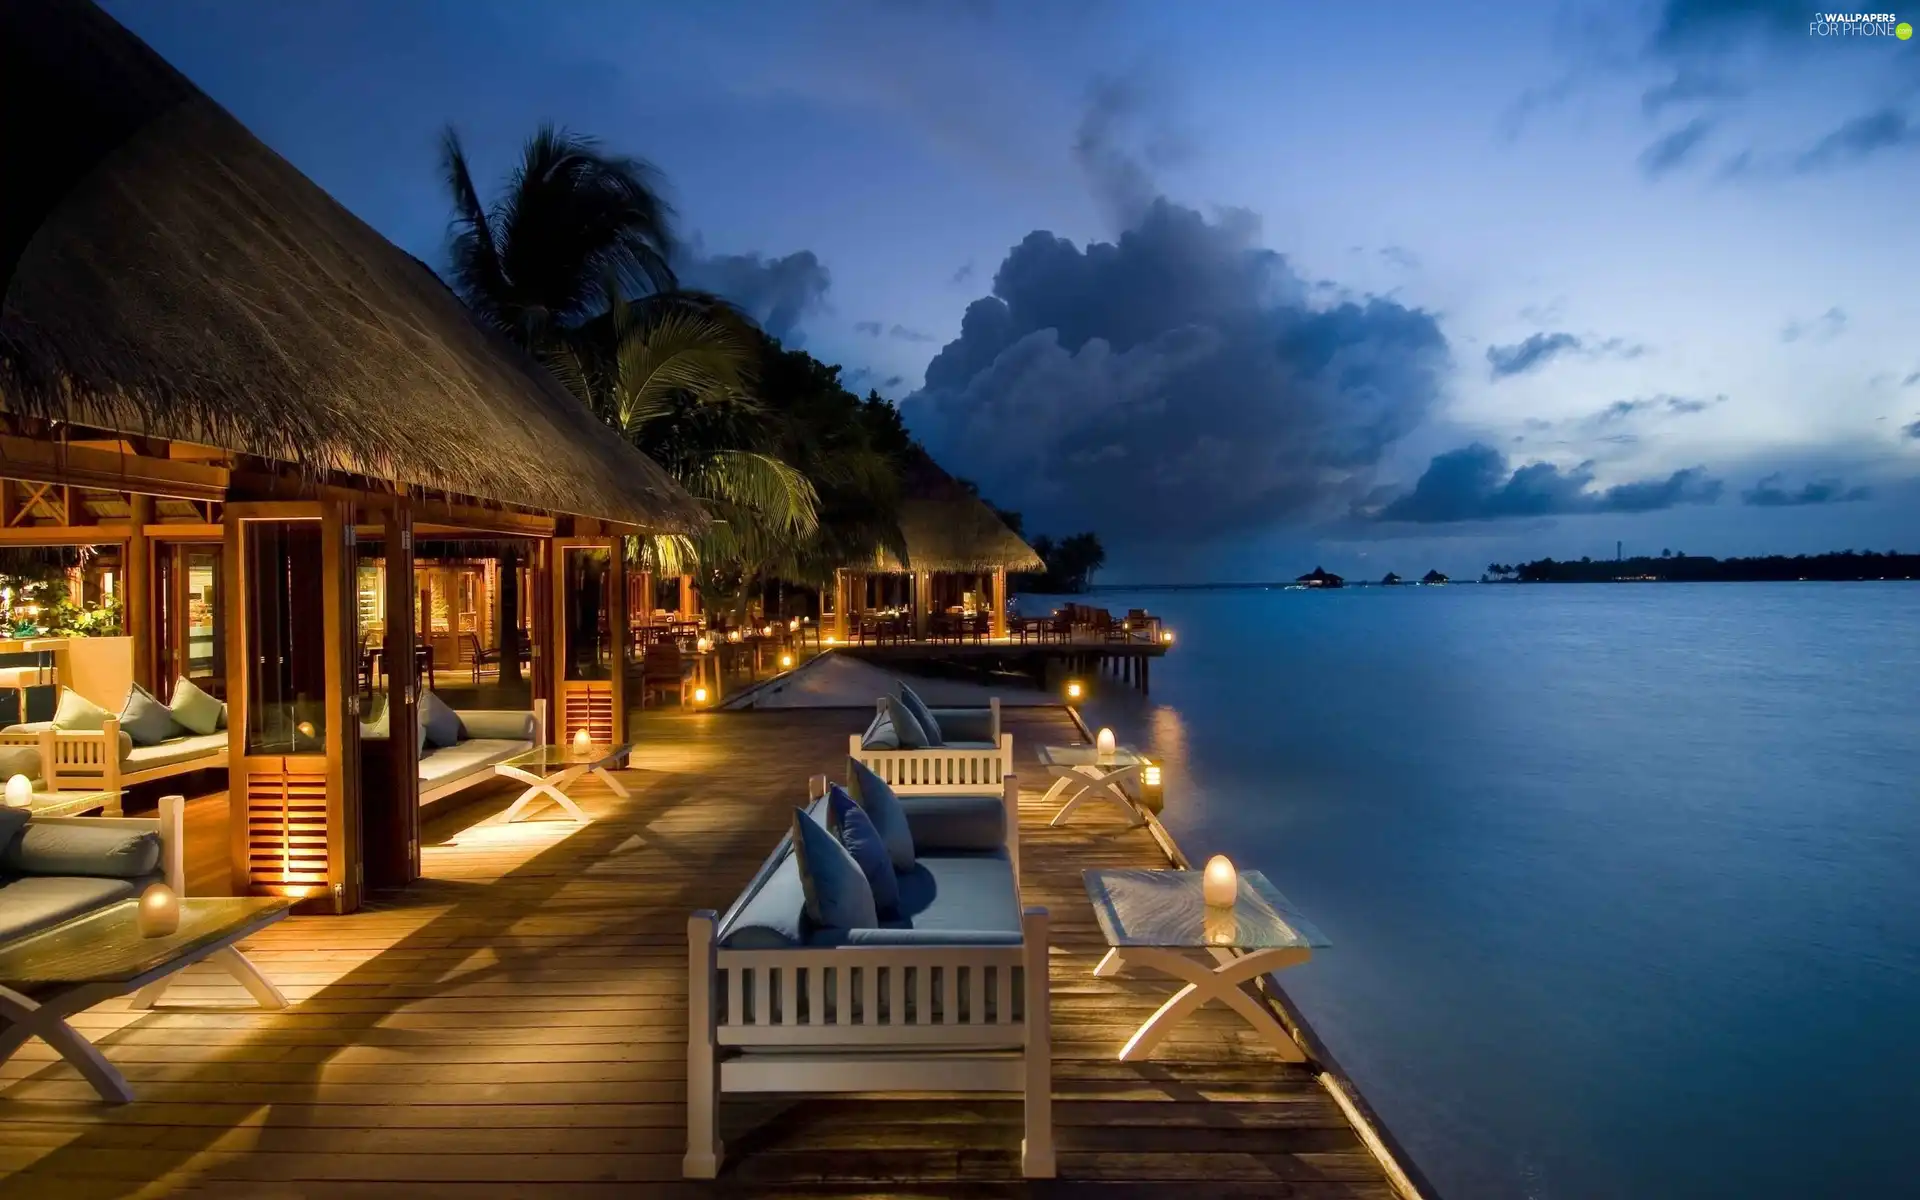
[(1103, 749), (1220, 885), (159, 912), (581, 741), (19, 792)]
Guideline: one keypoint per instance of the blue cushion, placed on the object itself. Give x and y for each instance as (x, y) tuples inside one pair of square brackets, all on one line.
[(863, 841), (147, 721), (12, 821), (441, 723), (956, 822), (772, 919), (886, 936), (194, 710), (922, 714), (960, 891), (911, 736), (881, 736), (882, 807), (31, 904), (837, 894), (100, 850)]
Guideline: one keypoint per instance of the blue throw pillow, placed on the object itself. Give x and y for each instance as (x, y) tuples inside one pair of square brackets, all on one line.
[(863, 841), (147, 721), (882, 807), (441, 723), (837, 893), (922, 714), (905, 724)]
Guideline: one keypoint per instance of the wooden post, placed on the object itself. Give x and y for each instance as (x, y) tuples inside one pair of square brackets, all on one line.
[(616, 591), (922, 603), (687, 608), (137, 593), (838, 629), (999, 602), (540, 627), (403, 696)]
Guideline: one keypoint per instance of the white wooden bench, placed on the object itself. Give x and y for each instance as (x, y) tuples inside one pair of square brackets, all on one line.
[(941, 770)]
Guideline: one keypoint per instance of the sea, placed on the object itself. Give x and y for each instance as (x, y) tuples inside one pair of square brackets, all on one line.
[(1622, 881)]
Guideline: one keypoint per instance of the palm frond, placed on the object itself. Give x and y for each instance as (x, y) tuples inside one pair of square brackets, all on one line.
[(775, 492)]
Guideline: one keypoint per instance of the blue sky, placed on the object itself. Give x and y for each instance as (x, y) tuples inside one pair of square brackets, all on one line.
[(1385, 288)]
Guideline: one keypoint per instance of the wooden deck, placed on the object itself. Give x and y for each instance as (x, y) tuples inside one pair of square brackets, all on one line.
[(515, 1025)]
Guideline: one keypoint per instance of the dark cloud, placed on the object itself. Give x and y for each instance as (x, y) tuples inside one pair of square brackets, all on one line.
[(1123, 138), (1823, 328), (1675, 148), (902, 333), (1177, 379), (1769, 494), (1400, 257), (870, 328), (1475, 483), (1524, 356), (1541, 348), (859, 378), (1860, 138), (1912, 431), (962, 276), (1675, 406), (777, 292)]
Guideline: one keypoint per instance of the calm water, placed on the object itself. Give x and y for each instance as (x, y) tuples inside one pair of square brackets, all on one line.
[(1623, 881)]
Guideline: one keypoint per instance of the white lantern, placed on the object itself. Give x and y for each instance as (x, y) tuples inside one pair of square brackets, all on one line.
[(1103, 747), (699, 695), (1220, 884), (19, 792), (159, 911), (581, 741)]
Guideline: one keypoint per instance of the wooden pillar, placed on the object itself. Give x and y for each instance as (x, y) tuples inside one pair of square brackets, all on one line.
[(687, 608), (540, 628), (399, 849), (999, 627), (922, 603), (837, 628), (137, 597), (616, 590)]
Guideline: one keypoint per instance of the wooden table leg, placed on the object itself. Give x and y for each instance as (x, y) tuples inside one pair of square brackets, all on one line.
[(1203, 984), (47, 1020), (553, 788)]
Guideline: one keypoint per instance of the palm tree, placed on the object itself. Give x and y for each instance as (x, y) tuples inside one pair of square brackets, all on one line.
[(573, 229)]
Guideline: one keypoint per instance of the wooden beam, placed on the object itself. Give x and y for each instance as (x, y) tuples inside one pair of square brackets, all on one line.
[(37, 461), (65, 535), (432, 517)]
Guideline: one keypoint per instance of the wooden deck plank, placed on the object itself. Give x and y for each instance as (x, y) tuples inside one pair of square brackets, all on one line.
[(515, 1024)]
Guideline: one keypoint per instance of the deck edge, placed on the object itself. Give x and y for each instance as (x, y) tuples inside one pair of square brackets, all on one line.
[(1402, 1174)]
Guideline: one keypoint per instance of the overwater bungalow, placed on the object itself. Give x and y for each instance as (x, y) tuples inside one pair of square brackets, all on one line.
[(1320, 577), (307, 474), (952, 580)]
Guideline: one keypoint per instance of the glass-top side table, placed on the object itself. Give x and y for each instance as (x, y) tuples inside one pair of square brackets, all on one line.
[(1083, 775), (1157, 919), (550, 770)]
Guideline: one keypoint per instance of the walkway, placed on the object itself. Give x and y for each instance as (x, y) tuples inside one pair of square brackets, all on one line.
[(515, 1025)]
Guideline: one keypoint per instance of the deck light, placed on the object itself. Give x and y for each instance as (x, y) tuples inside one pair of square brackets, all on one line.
[(1220, 885), (699, 695), (1103, 747), (19, 792), (1074, 690), (159, 911), (1150, 775), (1150, 793), (1166, 637), (786, 662), (831, 639)]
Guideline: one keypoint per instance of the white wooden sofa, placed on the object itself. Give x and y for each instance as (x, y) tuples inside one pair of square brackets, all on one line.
[(106, 760), (487, 737), (915, 1009), (976, 754)]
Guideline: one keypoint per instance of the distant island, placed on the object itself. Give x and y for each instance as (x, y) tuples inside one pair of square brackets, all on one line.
[(1676, 567)]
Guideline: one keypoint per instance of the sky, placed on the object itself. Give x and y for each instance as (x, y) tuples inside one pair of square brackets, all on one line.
[(1242, 287)]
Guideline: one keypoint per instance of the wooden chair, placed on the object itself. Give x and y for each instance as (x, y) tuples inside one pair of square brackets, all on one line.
[(480, 654), (664, 671)]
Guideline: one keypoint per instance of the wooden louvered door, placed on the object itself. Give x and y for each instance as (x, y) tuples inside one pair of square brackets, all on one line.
[(294, 731), (589, 639)]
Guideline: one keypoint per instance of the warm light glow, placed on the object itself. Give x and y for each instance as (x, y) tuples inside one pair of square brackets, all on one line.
[(766, 631), (699, 695), (1074, 690), (580, 740), (159, 911), (1167, 636), (786, 661), (19, 792), (1220, 885), (305, 728), (793, 626), (704, 644), (1150, 775), (733, 635), (1103, 746), (831, 639)]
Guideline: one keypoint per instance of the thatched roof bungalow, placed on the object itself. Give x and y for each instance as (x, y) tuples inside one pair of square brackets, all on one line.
[(213, 370), (956, 547)]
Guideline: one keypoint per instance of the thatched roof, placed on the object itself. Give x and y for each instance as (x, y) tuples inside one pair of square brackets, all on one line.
[(162, 272), (947, 527)]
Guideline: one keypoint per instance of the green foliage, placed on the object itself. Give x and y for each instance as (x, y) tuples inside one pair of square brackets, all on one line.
[(1071, 562)]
